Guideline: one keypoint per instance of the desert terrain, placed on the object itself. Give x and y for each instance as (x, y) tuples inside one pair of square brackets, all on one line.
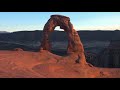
[(25, 64), (31, 55)]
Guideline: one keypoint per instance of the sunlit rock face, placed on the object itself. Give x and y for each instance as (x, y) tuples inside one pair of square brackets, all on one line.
[(74, 43)]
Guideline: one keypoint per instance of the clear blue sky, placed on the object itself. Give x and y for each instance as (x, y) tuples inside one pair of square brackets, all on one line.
[(17, 21)]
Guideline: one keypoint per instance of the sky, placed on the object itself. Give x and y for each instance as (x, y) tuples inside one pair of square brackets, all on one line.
[(18, 21)]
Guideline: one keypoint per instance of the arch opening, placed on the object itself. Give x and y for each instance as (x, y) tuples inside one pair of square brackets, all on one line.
[(59, 41), (74, 42), (74, 47)]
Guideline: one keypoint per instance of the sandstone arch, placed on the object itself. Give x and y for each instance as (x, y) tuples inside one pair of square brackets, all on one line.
[(74, 42)]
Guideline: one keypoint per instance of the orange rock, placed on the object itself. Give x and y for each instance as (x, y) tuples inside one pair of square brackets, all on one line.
[(74, 42)]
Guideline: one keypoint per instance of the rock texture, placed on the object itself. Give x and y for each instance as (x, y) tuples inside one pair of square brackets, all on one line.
[(47, 65), (74, 42)]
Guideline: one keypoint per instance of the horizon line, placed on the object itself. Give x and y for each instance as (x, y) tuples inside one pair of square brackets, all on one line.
[(60, 30)]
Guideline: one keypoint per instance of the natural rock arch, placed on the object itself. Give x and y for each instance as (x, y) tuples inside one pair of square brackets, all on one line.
[(74, 42)]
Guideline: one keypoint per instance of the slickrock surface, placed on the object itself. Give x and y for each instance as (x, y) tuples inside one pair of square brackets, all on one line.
[(23, 64)]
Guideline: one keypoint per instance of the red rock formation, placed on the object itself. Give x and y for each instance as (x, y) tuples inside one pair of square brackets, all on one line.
[(27, 64), (74, 42)]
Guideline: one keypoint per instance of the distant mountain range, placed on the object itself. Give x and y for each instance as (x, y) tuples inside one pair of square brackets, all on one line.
[(4, 32), (24, 36)]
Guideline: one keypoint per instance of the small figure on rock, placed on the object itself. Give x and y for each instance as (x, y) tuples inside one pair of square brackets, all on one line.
[(18, 49), (41, 49)]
